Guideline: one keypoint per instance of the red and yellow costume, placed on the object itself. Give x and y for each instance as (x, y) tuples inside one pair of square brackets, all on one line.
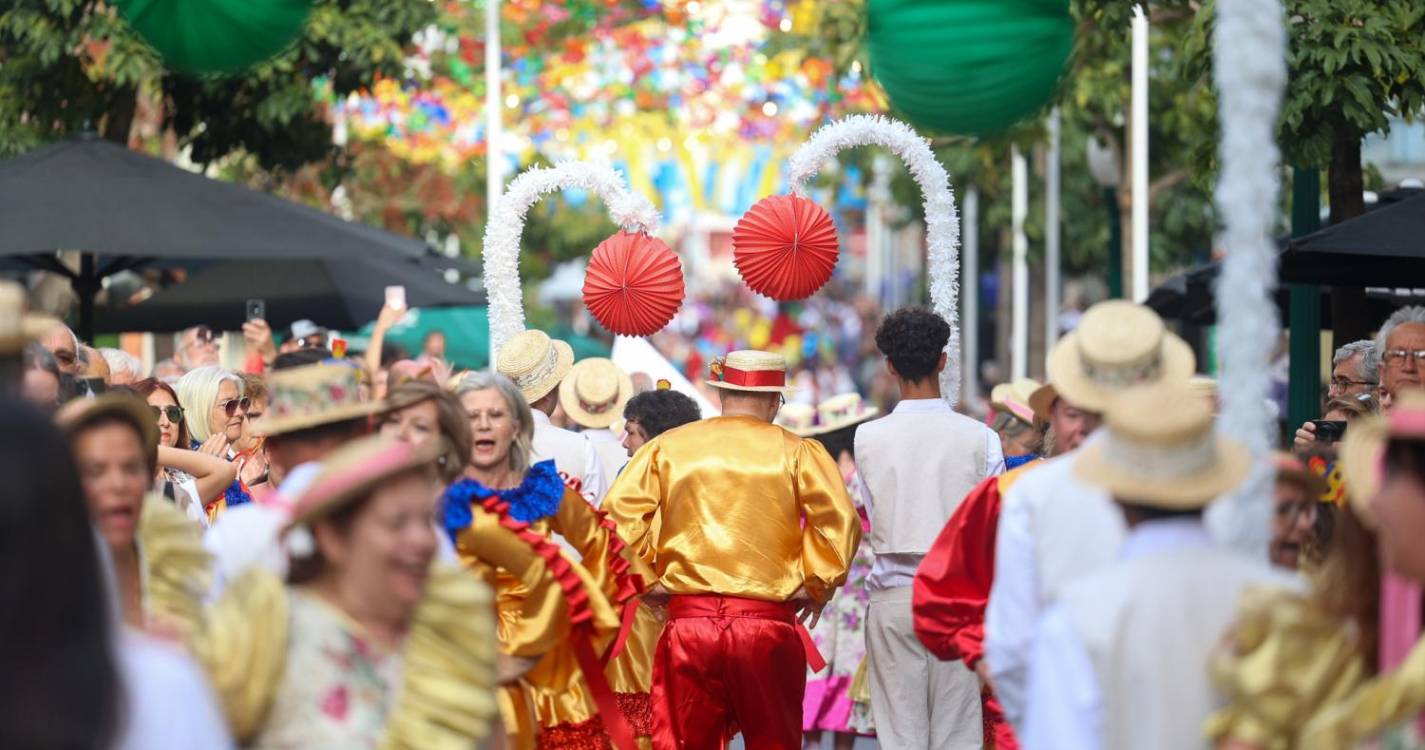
[(561, 612), (749, 516), (952, 589)]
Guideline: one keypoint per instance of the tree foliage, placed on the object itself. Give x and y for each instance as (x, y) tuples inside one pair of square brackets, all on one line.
[(71, 65)]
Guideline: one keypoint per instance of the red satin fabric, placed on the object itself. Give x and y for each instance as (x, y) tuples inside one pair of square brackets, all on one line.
[(754, 378), (725, 665), (952, 589)]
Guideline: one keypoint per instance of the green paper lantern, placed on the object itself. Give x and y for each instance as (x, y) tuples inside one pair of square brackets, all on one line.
[(216, 36), (968, 67)]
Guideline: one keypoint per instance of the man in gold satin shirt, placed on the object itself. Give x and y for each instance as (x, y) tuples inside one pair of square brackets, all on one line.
[(756, 532)]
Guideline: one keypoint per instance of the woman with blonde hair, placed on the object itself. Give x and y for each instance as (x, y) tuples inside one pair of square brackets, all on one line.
[(216, 409)]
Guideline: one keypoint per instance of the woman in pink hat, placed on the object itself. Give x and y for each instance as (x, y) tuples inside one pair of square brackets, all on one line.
[(370, 641)]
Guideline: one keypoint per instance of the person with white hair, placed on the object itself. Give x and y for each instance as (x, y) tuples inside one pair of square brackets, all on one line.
[(197, 347), (1400, 350), (213, 400), (124, 368)]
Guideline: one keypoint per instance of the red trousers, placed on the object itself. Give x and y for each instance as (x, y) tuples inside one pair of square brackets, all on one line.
[(726, 665)]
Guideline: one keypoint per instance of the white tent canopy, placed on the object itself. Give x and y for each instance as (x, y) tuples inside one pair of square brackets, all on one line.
[(637, 355)]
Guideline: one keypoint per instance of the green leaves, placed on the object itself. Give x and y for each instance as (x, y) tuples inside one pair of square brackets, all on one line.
[(70, 65)]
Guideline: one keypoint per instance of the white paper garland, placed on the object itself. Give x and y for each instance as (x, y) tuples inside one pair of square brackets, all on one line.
[(942, 221), (631, 211), (1249, 66)]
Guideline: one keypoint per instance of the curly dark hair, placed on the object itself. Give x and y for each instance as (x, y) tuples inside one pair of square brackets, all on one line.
[(659, 411), (912, 338)]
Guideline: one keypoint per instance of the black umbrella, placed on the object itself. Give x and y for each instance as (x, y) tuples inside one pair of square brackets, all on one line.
[(336, 293), (124, 209), (1383, 247)]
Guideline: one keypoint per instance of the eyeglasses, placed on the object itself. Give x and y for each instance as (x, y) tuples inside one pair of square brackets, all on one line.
[(232, 405), (1292, 511), (1397, 356), (1344, 383), (175, 413)]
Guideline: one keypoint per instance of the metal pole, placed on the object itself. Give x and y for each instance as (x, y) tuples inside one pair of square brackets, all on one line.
[(1304, 316), (1140, 155), (1019, 311), (494, 156), (970, 297), (1115, 243), (1052, 264)]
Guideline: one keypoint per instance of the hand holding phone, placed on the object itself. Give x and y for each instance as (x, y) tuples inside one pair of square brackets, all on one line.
[(396, 297), (256, 309)]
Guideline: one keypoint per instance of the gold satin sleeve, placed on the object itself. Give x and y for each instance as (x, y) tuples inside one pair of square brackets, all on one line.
[(242, 644), (447, 698), (531, 613), (177, 571), (1375, 706), (1283, 661), (833, 528), (633, 499)]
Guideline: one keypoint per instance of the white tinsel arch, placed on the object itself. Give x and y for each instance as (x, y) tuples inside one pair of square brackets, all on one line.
[(631, 211), (942, 221), (1249, 66)]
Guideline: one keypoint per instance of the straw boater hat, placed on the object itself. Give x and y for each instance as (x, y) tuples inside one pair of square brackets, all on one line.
[(1013, 399), (797, 418), (841, 411), (82, 412), (594, 392), (1161, 450), (305, 397), (1292, 469), (535, 362), (356, 468), (18, 326), (1117, 344), (1362, 451), (750, 370)]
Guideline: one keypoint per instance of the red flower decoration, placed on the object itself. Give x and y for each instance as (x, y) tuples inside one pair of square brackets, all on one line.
[(785, 247), (336, 703), (634, 284)]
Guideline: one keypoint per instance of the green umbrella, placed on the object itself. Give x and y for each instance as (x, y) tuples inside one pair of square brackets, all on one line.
[(968, 67), (467, 336), (216, 36)]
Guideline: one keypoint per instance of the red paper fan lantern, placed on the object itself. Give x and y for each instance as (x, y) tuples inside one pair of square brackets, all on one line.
[(634, 284), (785, 247)]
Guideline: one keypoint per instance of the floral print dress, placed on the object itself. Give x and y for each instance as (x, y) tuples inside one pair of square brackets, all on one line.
[(338, 686), (841, 638)]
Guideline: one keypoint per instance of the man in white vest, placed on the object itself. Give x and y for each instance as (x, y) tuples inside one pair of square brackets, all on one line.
[(538, 364), (1120, 662), (916, 464), (1054, 528)]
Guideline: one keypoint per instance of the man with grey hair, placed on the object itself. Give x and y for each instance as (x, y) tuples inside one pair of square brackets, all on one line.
[(1400, 350), (1353, 370), (64, 345), (124, 368)]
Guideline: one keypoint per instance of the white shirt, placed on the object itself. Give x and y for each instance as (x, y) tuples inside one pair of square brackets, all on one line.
[(897, 570), (589, 473), (1018, 598), (1065, 707), (168, 704)]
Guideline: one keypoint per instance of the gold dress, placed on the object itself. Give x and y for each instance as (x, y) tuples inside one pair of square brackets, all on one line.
[(559, 706), (1295, 678)]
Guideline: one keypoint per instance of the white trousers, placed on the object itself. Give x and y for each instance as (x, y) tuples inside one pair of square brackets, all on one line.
[(919, 702)]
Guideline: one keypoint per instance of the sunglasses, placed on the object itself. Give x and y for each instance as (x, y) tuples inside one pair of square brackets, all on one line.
[(202, 335), (175, 413), (232, 405)]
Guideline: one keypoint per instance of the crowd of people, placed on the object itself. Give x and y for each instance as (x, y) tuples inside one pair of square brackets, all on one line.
[(330, 549)]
